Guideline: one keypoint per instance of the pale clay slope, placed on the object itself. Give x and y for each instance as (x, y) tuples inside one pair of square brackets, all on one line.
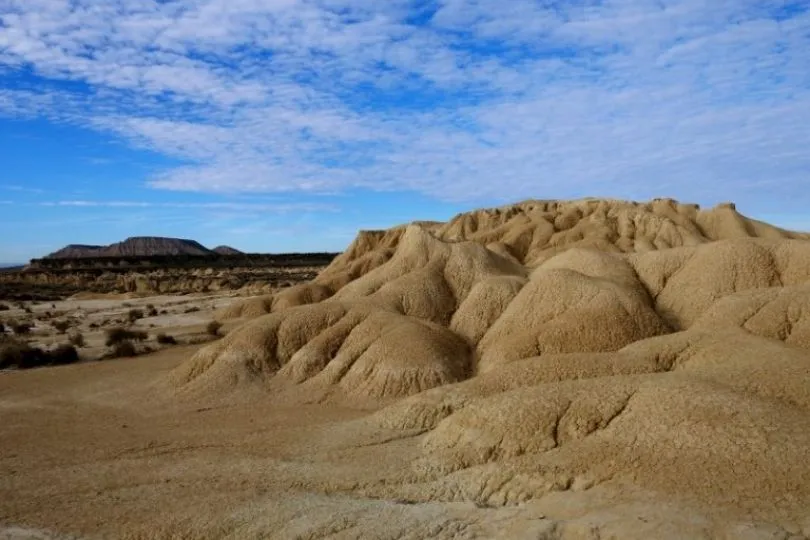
[(554, 346)]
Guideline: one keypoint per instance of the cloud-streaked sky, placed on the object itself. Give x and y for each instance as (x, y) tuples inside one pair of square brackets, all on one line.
[(284, 125)]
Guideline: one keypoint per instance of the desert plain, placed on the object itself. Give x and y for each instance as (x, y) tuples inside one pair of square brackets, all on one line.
[(585, 369)]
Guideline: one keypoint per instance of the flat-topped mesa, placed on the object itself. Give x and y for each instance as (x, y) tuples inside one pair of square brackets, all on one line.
[(148, 245), (226, 250), (136, 246), (75, 251)]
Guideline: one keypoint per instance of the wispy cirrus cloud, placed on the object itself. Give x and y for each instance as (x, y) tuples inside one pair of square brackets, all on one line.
[(459, 99), (276, 208), (23, 189)]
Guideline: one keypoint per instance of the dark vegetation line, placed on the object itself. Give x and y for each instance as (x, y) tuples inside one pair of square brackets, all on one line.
[(249, 260)]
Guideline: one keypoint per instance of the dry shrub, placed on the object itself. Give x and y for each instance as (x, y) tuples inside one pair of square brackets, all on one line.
[(151, 310), (119, 335), (76, 339), (63, 354), (18, 354), (21, 328), (4, 307), (123, 349), (61, 326), (192, 309), (165, 339), (134, 314), (213, 328)]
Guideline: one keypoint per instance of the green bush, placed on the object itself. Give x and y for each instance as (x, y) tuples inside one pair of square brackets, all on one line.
[(119, 335)]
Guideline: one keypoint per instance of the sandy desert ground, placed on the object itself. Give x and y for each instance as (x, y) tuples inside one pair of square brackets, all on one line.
[(562, 370), (92, 315), (102, 450)]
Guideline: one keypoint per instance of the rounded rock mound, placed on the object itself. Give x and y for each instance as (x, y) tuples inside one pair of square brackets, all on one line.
[(557, 346)]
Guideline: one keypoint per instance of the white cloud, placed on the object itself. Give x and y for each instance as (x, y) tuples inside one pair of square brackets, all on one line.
[(22, 189), (478, 100), (279, 207)]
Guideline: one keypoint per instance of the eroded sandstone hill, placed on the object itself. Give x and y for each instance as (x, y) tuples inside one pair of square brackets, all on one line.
[(533, 231), (552, 346)]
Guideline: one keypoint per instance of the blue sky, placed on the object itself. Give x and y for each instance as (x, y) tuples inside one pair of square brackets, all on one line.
[(286, 125)]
